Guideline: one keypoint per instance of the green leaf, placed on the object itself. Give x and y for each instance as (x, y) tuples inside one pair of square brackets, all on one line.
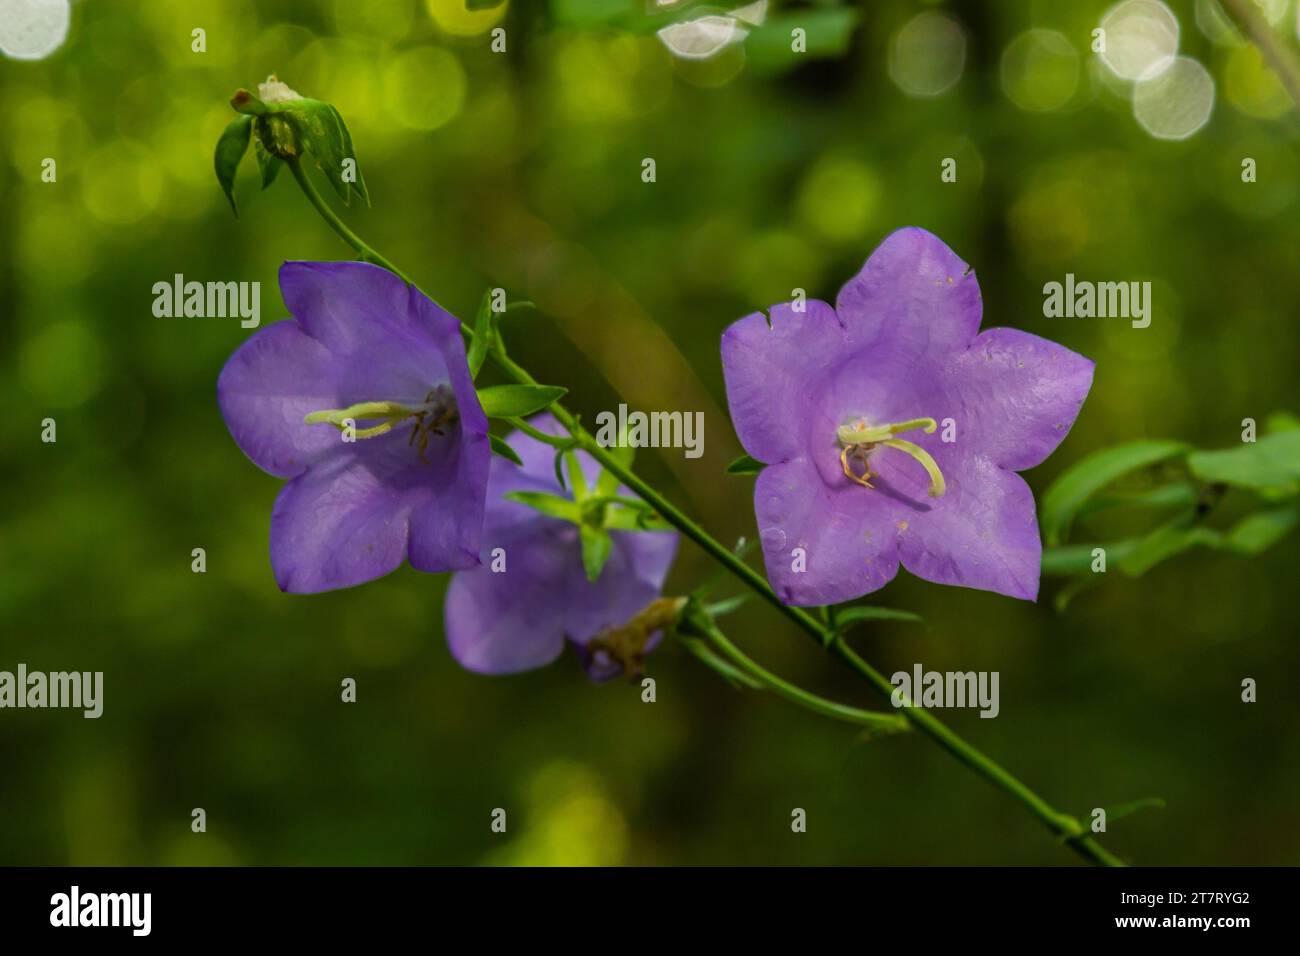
[(1072, 590), (1163, 543), (596, 545), (1271, 463), (231, 146), (267, 164), (1257, 533), (517, 401), (552, 506), (847, 618), (727, 605), (1133, 806), (828, 33), (502, 448), (1070, 559), (1177, 494), (1072, 489), (745, 465)]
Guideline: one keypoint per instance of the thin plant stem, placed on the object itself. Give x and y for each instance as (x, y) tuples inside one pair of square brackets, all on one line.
[(891, 723), (1247, 16), (1069, 830)]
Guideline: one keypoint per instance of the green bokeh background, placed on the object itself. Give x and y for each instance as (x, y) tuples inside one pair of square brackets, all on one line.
[(523, 171)]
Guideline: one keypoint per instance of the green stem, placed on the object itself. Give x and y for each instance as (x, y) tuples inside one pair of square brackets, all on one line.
[(1069, 830), (1252, 23), (892, 723)]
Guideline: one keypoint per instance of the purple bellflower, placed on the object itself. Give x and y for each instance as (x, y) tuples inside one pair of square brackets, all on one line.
[(821, 396), (531, 593), (364, 401)]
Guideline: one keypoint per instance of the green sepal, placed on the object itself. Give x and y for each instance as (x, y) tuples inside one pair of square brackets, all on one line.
[(481, 341), (248, 104), (231, 146), (268, 165), (502, 448), (553, 506), (596, 545)]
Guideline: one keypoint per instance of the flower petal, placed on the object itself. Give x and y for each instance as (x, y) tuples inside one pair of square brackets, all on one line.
[(357, 513), (273, 380), (516, 619), (914, 298), (503, 622), (848, 535), (1014, 396), (395, 335), (770, 371), (983, 532)]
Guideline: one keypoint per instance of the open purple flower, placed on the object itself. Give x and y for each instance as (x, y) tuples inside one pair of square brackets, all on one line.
[(821, 395), (515, 611), (364, 401)]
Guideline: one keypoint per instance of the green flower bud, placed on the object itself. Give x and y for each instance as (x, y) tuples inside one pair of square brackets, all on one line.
[(287, 126)]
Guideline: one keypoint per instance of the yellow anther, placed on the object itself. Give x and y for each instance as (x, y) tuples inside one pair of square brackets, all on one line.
[(859, 439)]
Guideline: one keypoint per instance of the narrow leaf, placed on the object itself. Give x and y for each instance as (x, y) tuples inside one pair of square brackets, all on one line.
[(516, 401), (1070, 491), (726, 606), (1133, 806), (1070, 559), (848, 617), (745, 465), (1178, 494), (1165, 542)]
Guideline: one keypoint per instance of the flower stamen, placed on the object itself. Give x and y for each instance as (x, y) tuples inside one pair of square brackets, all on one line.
[(437, 412), (859, 439)]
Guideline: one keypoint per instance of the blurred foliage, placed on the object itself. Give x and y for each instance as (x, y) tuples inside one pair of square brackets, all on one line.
[(775, 171)]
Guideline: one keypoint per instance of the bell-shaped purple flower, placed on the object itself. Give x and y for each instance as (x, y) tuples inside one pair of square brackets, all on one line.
[(364, 401), (530, 594), (893, 429)]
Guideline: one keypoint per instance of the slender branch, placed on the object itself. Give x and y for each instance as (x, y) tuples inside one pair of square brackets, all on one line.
[(1247, 16), (1069, 830), (892, 723)]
